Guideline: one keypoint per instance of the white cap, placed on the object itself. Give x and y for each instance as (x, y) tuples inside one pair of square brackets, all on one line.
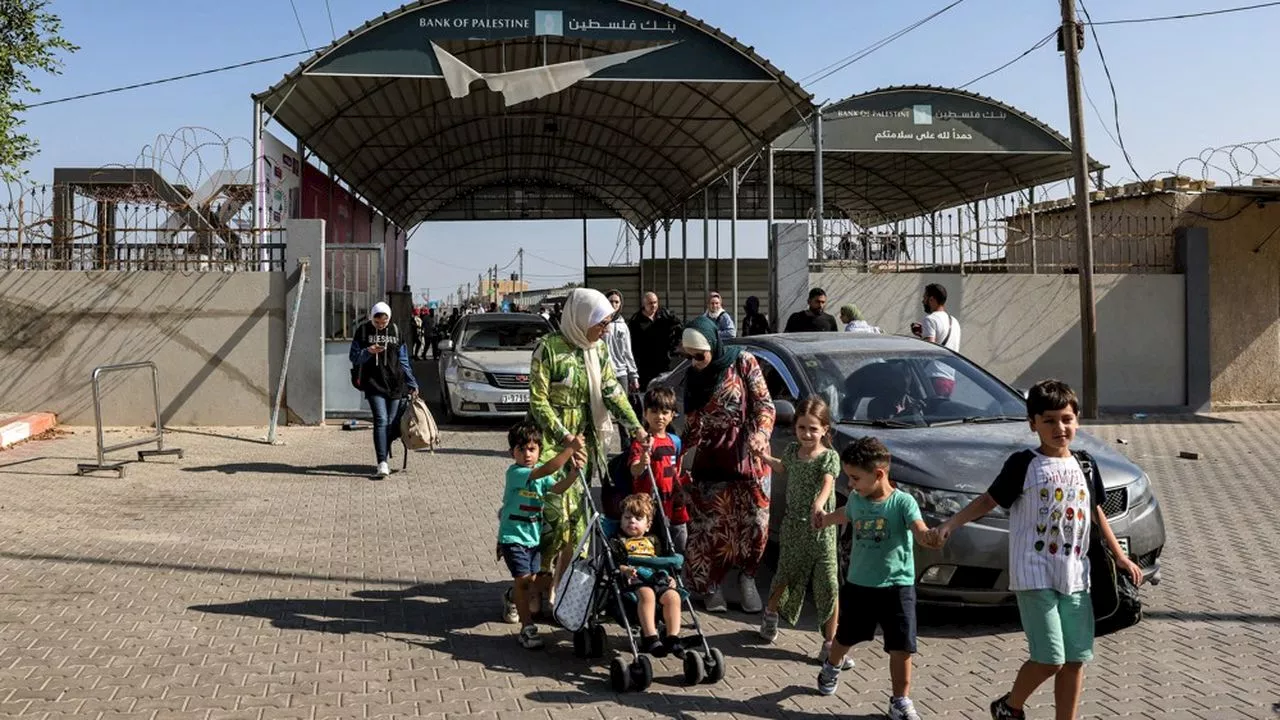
[(695, 340)]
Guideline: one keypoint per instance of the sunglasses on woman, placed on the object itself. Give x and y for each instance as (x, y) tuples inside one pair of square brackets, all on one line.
[(697, 356)]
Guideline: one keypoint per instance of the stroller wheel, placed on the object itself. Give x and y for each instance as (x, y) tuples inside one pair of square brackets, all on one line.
[(581, 644), (715, 666), (618, 676), (694, 671), (641, 673), (596, 640)]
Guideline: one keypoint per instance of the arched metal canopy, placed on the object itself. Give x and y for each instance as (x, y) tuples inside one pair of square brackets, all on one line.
[(629, 106), (902, 152)]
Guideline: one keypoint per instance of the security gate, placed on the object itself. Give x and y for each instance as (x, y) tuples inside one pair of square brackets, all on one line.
[(355, 279)]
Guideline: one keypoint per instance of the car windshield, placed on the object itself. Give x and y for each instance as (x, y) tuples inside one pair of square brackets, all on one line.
[(910, 389), (502, 335)]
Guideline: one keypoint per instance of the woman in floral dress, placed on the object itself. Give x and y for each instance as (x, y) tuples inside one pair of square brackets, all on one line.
[(729, 418), (573, 390)]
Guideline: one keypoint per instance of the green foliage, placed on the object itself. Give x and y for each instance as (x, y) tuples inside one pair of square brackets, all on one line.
[(29, 40)]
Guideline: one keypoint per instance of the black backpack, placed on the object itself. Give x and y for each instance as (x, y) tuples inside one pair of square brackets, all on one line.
[(1116, 603)]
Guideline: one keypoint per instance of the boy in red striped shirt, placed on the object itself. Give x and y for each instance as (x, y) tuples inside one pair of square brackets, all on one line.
[(662, 455)]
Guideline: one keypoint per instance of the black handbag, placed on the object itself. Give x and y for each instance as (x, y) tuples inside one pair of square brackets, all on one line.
[(1116, 602)]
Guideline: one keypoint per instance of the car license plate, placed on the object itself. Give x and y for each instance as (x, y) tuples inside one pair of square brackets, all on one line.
[(515, 398), (1124, 544)]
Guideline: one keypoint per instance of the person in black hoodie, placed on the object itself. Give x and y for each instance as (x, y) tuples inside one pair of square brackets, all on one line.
[(384, 375), (755, 322), (655, 333)]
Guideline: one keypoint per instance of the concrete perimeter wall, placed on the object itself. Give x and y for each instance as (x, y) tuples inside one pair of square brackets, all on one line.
[(217, 338), (1025, 328)]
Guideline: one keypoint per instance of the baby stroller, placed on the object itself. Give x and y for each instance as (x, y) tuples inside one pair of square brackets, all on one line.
[(592, 593)]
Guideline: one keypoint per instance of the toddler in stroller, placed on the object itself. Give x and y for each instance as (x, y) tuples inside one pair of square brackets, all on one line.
[(648, 572)]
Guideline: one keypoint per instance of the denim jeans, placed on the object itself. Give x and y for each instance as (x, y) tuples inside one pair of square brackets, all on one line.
[(386, 423)]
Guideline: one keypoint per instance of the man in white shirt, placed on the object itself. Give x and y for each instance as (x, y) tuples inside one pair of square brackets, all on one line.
[(940, 328)]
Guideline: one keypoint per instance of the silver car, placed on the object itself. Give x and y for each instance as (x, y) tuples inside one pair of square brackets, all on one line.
[(484, 366), (947, 447)]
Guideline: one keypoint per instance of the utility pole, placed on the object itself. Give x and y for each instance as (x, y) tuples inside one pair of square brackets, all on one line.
[(520, 258), (1070, 34)]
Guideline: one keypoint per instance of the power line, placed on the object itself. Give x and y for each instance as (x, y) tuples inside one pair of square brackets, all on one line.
[(175, 78), (1183, 16), (553, 262), (1039, 44), (298, 17), (329, 11), (835, 67)]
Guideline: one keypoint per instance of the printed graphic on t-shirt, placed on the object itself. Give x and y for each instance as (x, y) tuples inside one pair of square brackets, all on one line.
[(1049, 528), (640, 547)]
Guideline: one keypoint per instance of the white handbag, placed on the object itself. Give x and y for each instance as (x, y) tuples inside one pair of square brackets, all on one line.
[(574, 594)]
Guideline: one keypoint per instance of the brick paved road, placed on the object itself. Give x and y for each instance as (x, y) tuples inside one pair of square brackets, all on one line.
[(255, 582)]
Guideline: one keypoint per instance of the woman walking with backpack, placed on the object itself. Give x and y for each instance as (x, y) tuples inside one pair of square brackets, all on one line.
[(381, 370)]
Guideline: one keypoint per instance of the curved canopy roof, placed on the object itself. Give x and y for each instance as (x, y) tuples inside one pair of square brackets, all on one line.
[(903, 152), (625, 107)]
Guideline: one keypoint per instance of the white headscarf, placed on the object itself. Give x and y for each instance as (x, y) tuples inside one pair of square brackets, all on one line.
[(584, 308), (380, 308)]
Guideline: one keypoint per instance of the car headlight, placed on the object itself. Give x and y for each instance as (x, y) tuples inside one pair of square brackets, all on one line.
[(944, 503), (471, 373), (1139, 490)]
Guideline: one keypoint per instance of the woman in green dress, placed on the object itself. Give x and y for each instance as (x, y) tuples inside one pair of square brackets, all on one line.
[(573, 390)]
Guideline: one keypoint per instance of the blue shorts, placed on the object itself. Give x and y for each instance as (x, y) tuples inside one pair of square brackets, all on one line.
[(522, 560)]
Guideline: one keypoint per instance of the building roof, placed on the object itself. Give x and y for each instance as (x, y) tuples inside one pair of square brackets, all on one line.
[(907, 151), (476, 109)]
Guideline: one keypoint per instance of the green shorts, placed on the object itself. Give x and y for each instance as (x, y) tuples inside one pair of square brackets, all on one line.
[(1059, 627)]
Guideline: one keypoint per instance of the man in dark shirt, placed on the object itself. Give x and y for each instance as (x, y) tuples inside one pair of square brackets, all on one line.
[(655, 332), (813, 319)]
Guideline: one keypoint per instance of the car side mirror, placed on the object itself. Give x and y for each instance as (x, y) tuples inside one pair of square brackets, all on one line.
[(446, 345), (784, 413)]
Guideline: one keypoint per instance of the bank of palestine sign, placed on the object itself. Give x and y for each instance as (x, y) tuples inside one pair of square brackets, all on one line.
[(409, 45)]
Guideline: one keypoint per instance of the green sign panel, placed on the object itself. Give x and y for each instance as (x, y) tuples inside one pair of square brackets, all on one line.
[(925, 121), (401, 46)]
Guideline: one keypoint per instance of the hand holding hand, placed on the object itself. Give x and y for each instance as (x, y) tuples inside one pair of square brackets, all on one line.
[(759, 443), (939, 536), (817, 518)]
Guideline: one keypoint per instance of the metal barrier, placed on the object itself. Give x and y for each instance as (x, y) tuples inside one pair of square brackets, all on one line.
[(103, 448)]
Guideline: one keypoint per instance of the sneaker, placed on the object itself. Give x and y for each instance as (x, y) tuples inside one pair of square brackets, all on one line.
[(714, 601), (529, 637), (751, 602), (903, 709), (1000, 710), (510, 614), (828, 679), (652, 645), (846, 663), (769, 626), (383, 469), (674, 646)]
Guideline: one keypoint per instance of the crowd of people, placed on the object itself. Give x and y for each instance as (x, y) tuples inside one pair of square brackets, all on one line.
[(716, 505)]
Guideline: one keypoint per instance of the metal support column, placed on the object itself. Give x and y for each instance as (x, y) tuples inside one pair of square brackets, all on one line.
[(584, 251), (771, 236), (733, 238), (977, 232), (1031, 212), (257, 170), (706, 241), (819, 202), (684, 258), (666, 229)]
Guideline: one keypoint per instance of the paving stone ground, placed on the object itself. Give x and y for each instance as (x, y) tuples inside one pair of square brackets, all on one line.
[(249, 581)]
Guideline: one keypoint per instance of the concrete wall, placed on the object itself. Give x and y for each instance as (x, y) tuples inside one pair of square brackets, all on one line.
[(217, 339), (1025, 328), (1244, 290)]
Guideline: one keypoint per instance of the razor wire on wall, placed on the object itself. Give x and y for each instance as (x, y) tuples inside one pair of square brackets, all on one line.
[(185, 204)]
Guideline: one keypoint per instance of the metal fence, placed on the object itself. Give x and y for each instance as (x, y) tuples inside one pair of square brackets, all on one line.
[(131, 220), (1002, 235)]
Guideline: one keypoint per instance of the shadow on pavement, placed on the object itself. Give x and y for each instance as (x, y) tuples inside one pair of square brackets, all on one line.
[(761, 706), (966, 622), (1222, 617), (433, 616), (353, 471), (1148, 419)]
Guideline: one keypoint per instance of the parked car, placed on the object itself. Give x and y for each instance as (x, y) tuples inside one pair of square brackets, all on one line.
[(484, 365), (946, 450)]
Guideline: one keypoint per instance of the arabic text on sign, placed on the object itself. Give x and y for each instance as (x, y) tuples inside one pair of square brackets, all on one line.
[(621, 26)]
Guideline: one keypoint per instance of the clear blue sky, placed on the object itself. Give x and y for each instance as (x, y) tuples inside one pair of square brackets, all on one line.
[(1183, 86)]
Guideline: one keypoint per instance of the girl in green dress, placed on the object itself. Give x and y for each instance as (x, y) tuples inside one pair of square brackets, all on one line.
[(808, 552)]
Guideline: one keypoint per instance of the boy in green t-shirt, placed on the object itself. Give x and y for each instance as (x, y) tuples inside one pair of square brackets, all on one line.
[(520, 519), (880, 587)]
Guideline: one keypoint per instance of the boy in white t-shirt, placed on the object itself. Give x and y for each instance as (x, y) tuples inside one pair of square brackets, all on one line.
[(1052, 505)]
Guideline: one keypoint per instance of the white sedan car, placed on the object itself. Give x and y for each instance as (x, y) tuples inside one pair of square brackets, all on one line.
[(484, 366)]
